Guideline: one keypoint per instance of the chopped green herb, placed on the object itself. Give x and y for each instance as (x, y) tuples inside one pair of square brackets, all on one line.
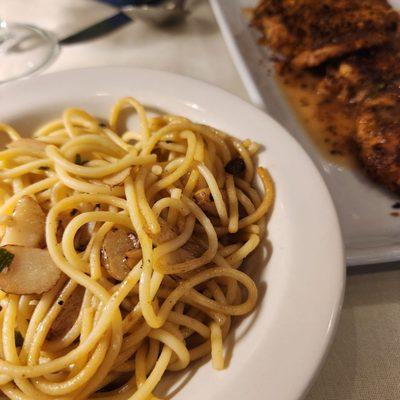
[(44, 168), (78, 159), (6, 258), (19, 339)]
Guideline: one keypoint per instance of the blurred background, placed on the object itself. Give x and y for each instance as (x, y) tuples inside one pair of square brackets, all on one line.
[(192, 46)]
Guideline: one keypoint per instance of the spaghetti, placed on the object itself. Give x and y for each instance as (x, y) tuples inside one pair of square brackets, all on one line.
[(122, 252)]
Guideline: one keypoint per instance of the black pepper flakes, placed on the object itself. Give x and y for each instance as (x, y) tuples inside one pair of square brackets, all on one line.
[(78, 160), (236, 166), (19, 339), (396, 205), (60, 303)]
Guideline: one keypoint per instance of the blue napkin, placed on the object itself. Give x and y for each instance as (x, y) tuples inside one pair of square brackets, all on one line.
[(122, 3)]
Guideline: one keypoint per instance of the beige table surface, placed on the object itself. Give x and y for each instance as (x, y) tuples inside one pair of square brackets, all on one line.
[(364, 360)]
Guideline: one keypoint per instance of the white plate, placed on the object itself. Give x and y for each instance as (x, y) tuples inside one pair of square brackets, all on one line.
[(280, 347), (370, 233)]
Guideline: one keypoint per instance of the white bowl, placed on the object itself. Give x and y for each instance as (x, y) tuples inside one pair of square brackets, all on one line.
[(278, 349)]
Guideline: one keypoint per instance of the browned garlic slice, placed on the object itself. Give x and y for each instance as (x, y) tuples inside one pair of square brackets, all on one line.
[(28, 227), (68, 314), (117, 243)]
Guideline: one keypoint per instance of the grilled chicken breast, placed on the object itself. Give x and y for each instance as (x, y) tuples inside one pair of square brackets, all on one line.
[(310, 32), (370, 82), (358, 43), (363, 75), (378, 138)]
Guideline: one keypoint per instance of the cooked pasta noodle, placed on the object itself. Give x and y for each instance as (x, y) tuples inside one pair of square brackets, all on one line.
[(145, 233)]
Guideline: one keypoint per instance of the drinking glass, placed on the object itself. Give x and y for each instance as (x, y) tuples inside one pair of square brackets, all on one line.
[(24, 49)]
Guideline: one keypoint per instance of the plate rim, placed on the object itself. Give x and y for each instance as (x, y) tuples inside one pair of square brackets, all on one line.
[(341, 278)]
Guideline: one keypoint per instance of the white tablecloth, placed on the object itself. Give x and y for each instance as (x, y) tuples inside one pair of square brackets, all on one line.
[(194, 48), (364, 361)]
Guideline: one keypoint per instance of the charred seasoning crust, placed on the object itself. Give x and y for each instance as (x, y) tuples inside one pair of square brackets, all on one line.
[(355, 44), (309, 32), (378, 138)]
